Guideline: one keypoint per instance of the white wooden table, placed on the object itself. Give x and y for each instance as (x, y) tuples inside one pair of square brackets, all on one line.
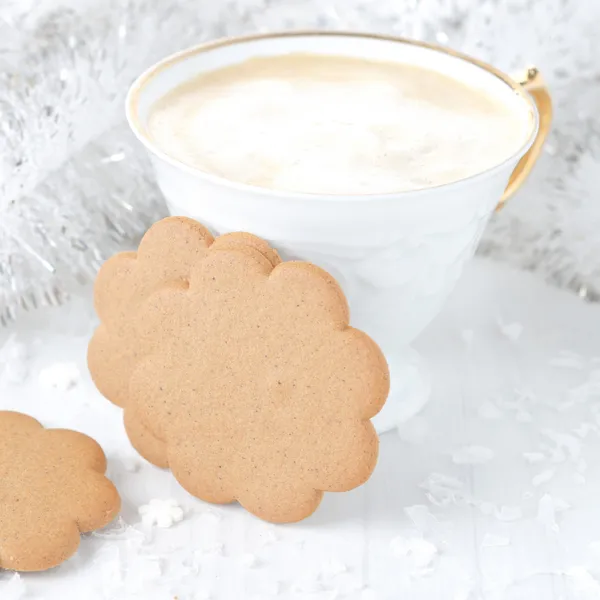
[(521, 400)]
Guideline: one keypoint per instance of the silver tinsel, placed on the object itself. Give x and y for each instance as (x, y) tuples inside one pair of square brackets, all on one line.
[(75, 187)]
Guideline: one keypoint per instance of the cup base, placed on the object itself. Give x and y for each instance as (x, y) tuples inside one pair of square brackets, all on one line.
[(410, 389)]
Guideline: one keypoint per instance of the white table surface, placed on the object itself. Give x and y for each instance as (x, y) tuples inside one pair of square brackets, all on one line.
[(488, 528)]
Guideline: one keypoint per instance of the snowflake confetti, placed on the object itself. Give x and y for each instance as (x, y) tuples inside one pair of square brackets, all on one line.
[(162, 513)]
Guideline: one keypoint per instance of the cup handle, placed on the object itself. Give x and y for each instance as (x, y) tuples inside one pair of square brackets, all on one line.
[(533, 83)]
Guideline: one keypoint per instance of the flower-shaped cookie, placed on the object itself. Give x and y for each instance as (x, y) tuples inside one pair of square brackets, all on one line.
[(125, 281), (254, 387), (52, 488)]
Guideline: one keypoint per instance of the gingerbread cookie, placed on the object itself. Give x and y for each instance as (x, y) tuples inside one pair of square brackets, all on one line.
[(165, 255), (52, 488), (124, 281), (251, 385)]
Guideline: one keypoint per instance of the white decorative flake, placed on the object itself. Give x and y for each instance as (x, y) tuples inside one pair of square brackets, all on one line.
[(564, 405), (267, 536), (119, 530), (560, 505), (472, 455), (584, 429), (368, 594), (131, 464), (113, 158), (14, 366), (441, 37), (15, 588), (132, 570), (488, 508), (249, 560), (488, 410), (509, 513), (586, 391), (420, 552), (566, 441), (524, 395), (270, 587), (422, 518), (584, 582), (464, 592), (162, 513), (534, 457), (568, 361), (60, 376), (558, 455), (546, 514), (334, 567), (442, 490), (108, 564), (523, 416), (152, 567), (494, 541), (506, 403), (210, 518), (467, 335), (208, 548), (512, 331), (542, 477), (350, 584), (594, 548), (308, 584)]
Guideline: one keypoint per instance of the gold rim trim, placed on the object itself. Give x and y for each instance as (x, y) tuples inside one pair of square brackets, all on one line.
[(132, 100), (533, 83)]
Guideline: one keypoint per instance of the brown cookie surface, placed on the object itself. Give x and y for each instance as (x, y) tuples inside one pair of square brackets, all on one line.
[(125, 281), (52, 488), (243, 375)]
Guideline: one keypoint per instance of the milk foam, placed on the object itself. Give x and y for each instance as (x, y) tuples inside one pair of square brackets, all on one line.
[(326, 124)]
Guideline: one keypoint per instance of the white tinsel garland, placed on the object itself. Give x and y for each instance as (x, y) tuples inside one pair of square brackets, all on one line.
[(74, 186)]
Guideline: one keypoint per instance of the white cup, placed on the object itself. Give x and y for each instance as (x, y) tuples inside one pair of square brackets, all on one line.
[(397, 256)]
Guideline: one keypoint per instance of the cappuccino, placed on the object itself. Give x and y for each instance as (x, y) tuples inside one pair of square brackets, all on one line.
[(336, 125)]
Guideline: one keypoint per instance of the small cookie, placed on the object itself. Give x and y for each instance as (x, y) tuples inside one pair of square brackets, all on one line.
[(252, 386), (52, 488)]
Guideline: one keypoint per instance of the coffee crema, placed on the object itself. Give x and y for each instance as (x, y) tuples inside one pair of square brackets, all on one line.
[(336, 125)]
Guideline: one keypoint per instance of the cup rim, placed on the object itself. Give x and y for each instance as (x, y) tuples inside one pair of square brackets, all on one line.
[(134, 121)]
